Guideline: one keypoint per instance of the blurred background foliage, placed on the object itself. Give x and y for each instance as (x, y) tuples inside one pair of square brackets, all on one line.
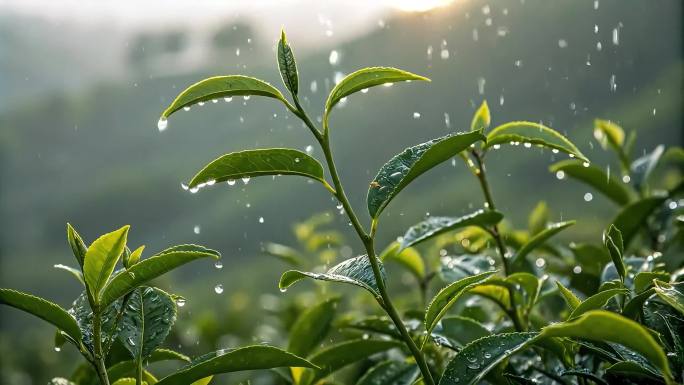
[(78, 141)]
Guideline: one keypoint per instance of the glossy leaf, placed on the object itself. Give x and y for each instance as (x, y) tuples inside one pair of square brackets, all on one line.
[(569, 297), (337, 356), (529, 285), (153, 267), (596, 301), (496, 289), (77, 245), (644, 279), (356, 271), (74, 272), (452, 269), (147, 319), (634, 215), (541, 238), (261, 162), (631, 372), (224, 361), (612, 239), (161, 354), (287, 65), (475, 360), (311, 327), (481, 119), (101, 258), (433, 226), (365, 78), (81, 311), (409, 258), (612, 188), (133, 257), (538, 218), (534, 133), (461, 330), (609, 134), (43, 309), (446, 297), (284, 253), (633, 308), (403, 168), (221, 87), (605, 326), (672, 294), (390, 373)]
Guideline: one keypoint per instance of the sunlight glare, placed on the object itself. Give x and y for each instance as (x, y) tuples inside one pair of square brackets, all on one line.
[(419, 5)]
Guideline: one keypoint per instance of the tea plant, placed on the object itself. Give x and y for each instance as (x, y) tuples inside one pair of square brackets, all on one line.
[(119, 323), (627, 329)]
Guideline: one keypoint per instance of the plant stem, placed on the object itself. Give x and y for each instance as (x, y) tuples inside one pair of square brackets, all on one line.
[(138, 372), (368, 242), (100, 367)]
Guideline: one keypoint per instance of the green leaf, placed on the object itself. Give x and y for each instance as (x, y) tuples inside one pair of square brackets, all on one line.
[(365, 78), (81, 311), (222, 87), (605, 326), (133, 257), (541, 238), (226, 361), (529, 286), (642, 168), (634, 215), (284, 253), (452, 269), (147, 319), (287, 65), (161, 354), (672, 294), (43, 309), (609, 134), (633, 308), (446, 297), (596, 301), (127, 381), (337, 356), (374, 324), (612, 239), (124, 370), (481, 119), (631, 372), (253, 163), (409, 258), (538, 218), (78, 247), (390, 373), (644, 279), (496, 289), (356, 271), (101, 258), (570, 297), (590, 257), (533, 133), (475, 360), (74, 272), (612, 188), (311, 327), (403, 168), (433, 226), (153, 267), (461, 330)]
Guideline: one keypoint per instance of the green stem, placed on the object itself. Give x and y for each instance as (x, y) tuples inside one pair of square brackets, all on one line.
[(138, 372), (99, 358), (368, 242)]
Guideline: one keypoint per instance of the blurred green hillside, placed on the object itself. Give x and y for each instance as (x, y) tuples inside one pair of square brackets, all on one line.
[(95, 158)]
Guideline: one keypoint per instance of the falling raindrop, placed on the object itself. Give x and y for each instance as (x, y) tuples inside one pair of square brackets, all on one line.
[(540, 262), (613, 84), (180, 301), (196, 229), (309, 149), (416, 115), (588, 197), (334, 57), (444, 54), (447, 121), (58, 349), (261, 219), (577, 269), (314, 87), (162, 124), (560, 174), (616, 36), (562, 43), (218, 289), (429, 52), (245, 180), (218, 265), (626, 178), (481, 85), (518, 63)]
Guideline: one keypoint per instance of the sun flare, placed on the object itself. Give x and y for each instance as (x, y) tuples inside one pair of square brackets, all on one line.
[(419, 5)]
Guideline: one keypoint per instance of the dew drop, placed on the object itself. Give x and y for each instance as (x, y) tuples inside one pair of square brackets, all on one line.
[(283, 289), (416, 115), (162, 124), (588, 197), (218, 265), (309, 149), (218, 289), (245, 180), (200, 104), (130, 341), (228, 99), (560, 174), (334, 57), (261, 219), (231, 182), (58, 349), (186, 108), (184, 186), (196, 229), (180, 302), (626, 178)]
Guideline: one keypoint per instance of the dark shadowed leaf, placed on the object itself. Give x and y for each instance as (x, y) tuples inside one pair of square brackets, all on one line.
[(60, 381), (287, 65), (356, 271), (311, 327), (611, 187), (101, 258), (390, 373), (452, 269), (226, 361), (540, 238), (81, 311), (253, 163), (147, 319), (433, 226), (475, 360), (632, 373), (672, 294), (634, 215), (365, 78), (460, 330), (612, 239), (403, 168), (534, 133), (337, 356), (43, 309)]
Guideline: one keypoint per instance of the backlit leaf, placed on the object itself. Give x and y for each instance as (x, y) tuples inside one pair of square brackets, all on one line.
[(284, 253), (311, 327), (538, 218), (74, 272), (147, 319), (634, 215), (569, 297), (596, 301), (433, 226), (409, 258), (541, 238), (614, 189), (390, 373), (612, 239), (609, 134), (101, 258), (535, 134), (77, 245), (481, 119), (287, 65)]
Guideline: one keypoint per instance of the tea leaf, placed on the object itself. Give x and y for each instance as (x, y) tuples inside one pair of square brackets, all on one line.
[(390, 373), (433, 226), (475, 360), (224, 361), (151, 268), (101, 258), (612, 239), (43, 309), (461, 329), (356, 271), (311, 327), (535, 134), (287, 65), (77, 245), (74, 272), (609, 134), (569, 297), (672, 294), (632, 372), (633, 308), (633, 216), (538, 218), (593, 176), (147, 319), (365, 78), (452, 269), (124, 370), (222, 87), (285, 253), (596, 301), (403, 168), (642, 168), (337, 356), (133, 257), (409, 258), (161, 354), (481, 119), (446, 297), (644, 279), (529, 284), (605, 326), (253, 163), (541, 238), (127, 381), (81, 311)]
